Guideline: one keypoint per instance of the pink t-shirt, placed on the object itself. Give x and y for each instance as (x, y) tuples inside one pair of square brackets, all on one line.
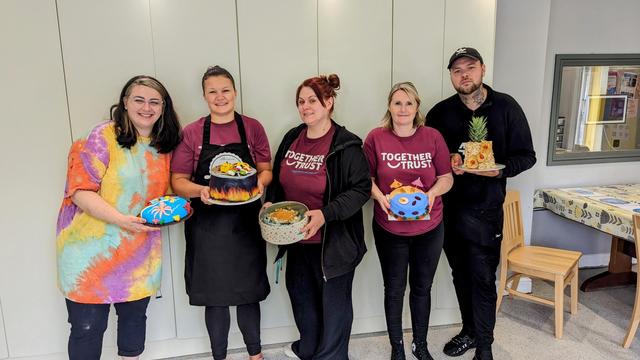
[(303, 172), (423, 155), (186, 155)]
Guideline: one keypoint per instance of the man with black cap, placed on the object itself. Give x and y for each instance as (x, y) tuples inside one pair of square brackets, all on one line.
[(473, 208)]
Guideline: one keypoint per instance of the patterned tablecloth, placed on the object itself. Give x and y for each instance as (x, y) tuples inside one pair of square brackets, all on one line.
[(607, 208)]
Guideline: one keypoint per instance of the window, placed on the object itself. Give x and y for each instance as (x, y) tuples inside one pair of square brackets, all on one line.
[(594, 109)]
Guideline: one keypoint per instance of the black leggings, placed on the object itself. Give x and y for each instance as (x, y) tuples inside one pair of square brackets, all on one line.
[(217, 319), (419, 254)]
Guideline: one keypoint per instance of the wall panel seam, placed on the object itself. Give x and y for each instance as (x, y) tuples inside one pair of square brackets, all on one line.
[(64, 72), (393, 28), (153, 44), (4, 330), (239, 60)]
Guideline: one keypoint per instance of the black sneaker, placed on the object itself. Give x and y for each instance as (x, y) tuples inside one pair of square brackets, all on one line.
[(420, 351), (483, 355), (397, 351), (459, 345)]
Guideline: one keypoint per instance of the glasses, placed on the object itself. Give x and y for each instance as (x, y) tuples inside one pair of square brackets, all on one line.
[(153, 103)]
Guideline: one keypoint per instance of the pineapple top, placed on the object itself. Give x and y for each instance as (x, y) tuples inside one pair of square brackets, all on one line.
[(478, 128)]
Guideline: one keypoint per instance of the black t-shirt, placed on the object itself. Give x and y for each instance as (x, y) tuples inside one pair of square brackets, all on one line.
[(512, 145)]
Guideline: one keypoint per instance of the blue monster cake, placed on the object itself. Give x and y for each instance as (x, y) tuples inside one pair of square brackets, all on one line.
[(166, 210), (408, 203)]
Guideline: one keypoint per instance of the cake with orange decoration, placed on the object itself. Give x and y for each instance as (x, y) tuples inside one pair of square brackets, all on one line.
[(233, 182), (408, 202), (478, 152)]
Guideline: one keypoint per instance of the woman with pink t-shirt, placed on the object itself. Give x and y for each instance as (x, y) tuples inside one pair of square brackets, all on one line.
[(225, 259), (321, 164), (404, 152)]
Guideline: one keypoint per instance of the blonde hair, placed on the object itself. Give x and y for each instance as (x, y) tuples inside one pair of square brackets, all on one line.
[(410, 90)]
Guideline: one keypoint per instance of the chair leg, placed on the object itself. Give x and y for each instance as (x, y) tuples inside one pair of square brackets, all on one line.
[(635, 318), (574, 291), (559, 304), (502, 286)]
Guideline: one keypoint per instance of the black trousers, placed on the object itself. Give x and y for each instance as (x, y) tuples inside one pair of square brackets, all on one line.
[(89, 322), (217, 319), (418, 256), (472, 245), (322, 310)]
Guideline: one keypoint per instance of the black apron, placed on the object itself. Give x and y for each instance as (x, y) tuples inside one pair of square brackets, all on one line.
[(225, 259)]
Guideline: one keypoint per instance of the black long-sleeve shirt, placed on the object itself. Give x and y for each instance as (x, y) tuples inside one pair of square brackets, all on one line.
[(512, 145)]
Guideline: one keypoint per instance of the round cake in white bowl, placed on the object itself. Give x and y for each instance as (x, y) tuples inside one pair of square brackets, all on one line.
[(281, 222)]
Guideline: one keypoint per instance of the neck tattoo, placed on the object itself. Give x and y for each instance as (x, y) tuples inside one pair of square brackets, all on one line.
[(475, 99)]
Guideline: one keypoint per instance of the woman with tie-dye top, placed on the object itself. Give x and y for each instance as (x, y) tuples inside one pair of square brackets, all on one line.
[(106, 255)]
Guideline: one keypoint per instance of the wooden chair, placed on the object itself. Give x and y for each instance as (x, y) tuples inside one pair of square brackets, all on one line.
[(635, 317), (556, 265)]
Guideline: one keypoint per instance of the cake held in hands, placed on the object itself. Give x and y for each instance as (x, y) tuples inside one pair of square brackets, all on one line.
[(166, 210), (408, 202), (233, 182), (478, 152)]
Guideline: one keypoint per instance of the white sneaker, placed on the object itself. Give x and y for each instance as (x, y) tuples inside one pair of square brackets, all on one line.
[(289, 352)]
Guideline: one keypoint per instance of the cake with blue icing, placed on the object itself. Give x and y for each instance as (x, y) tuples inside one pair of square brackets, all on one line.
[(166, 210), (408, 202)]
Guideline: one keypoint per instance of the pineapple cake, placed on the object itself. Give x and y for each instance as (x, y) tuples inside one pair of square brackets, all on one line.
[(478, 151)]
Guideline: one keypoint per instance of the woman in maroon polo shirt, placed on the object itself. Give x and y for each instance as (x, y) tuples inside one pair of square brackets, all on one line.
[(220, 237), (321, 164), (405, 151)]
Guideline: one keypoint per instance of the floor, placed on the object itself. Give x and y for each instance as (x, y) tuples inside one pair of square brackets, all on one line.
[(524, 331)]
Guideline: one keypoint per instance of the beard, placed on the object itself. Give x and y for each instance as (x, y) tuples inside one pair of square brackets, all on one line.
[(468, 90)]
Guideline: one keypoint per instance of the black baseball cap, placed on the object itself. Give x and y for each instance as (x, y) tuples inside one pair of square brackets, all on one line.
[(464, 52)]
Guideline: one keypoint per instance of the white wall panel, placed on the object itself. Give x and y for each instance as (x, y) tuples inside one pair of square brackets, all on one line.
[(278, 50), (105, 43), (35, 129), (469, 23), (356, 45), (187, 40), (418, 35)]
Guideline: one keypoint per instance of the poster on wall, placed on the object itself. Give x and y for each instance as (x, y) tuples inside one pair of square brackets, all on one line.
[(612, 82), (629, 82)]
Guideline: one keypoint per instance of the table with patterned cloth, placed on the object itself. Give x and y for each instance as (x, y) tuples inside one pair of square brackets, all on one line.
[(608, 208)]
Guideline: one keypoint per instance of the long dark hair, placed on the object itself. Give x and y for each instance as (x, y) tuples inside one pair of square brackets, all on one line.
[(166, 132)]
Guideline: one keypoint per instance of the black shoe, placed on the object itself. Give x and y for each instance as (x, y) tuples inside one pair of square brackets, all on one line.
[(397, 351), (420, 351), (459, 345), (483, 355)]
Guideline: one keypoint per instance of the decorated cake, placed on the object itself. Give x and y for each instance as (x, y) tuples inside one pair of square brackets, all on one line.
[(166, 210), (408, 202), (282, 222), (233, 181), (478, 152)]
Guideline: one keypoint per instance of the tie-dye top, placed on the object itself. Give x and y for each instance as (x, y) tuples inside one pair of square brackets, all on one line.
[(100, 263)]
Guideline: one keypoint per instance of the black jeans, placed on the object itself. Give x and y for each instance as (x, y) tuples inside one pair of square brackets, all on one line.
[(472, 245), (89, 322), (218, 321), (323, 310), (418, 255)]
